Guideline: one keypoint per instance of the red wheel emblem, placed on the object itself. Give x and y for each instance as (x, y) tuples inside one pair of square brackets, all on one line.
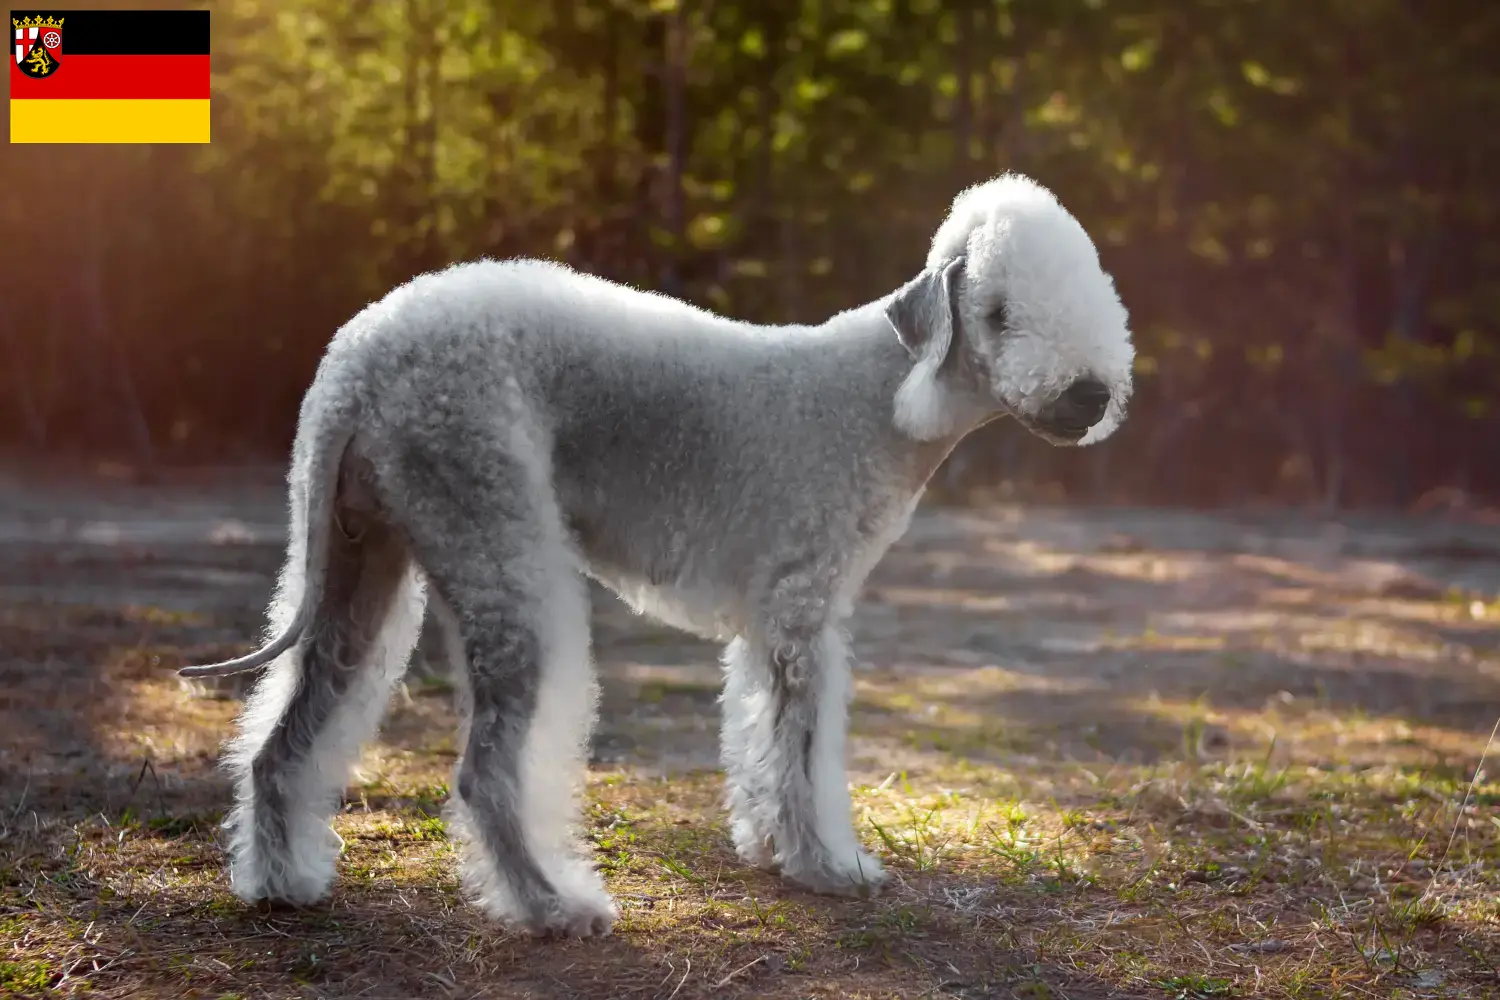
[(51, 40)]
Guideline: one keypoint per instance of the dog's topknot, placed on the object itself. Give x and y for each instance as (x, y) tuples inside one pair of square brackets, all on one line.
[(1000, 202)]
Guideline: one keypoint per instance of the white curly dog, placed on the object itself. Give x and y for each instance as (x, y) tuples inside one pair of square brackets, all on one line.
[(483, 435)]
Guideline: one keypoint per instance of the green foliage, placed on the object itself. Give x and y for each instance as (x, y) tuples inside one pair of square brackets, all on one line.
[(28, 978), (1296, 199)]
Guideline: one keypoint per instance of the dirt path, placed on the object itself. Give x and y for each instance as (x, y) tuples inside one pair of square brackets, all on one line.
[(1054, 600), (1039, 642)]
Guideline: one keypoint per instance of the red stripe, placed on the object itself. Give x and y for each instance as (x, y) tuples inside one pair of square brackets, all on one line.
[(119, 77)]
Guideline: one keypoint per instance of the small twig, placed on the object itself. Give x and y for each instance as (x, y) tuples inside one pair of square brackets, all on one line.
[(97, 968), (1468, 794), (68, 972), (725, 981), (25, 789), (161, 802), (682, 980), (442, 980)]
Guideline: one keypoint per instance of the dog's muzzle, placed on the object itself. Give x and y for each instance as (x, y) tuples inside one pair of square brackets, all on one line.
[(1076, 409)]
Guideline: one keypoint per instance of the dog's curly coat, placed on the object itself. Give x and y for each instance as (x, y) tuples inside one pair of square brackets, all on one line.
[(482, 435)]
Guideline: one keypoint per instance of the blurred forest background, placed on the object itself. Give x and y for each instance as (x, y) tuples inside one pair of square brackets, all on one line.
[(1299, 202)]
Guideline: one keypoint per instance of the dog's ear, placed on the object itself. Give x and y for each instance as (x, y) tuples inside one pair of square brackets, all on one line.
[(923, 312)]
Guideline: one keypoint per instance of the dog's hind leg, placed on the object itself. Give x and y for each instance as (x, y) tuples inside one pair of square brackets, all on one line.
[(506, 589), (304, 723)]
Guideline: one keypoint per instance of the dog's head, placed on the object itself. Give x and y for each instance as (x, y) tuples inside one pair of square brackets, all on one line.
[(1013, 302)]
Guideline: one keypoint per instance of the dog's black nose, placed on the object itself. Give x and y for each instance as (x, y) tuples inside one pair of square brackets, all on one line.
[(1082, 404)]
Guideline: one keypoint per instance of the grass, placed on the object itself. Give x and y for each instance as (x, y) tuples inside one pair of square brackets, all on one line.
[(1309, 846), (1206, 879)]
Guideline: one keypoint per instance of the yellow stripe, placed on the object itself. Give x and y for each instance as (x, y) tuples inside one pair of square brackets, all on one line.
[(109, 121)]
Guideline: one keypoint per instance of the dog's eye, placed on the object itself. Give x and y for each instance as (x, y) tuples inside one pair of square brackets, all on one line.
[(999, 316)]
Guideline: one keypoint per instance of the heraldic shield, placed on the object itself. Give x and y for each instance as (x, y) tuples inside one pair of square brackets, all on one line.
[(38, 44)]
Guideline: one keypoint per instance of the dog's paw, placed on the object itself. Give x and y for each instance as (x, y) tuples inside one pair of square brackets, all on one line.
[(859, 877), (754, 847), (295, 872), (581, 917), (279, 889)]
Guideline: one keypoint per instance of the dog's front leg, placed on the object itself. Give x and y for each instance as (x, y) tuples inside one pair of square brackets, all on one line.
[(786, 701)]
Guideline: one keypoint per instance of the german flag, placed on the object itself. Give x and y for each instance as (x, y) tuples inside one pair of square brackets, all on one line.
[(109, 76)]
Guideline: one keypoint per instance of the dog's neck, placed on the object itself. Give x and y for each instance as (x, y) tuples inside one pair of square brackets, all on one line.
[(954, 399)]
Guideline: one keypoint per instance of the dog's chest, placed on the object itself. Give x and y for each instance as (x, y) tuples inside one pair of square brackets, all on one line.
[(881, 531), (698, 611), (659, 573)]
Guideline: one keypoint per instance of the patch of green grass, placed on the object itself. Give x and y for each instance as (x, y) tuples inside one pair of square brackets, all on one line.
[(421, 827), (185, 825), (27, 977), (220, 907), (893, 925), (1193, 987), (1418, 913)]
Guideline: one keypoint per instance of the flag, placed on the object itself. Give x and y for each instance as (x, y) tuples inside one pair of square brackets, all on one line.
[(109, 76)]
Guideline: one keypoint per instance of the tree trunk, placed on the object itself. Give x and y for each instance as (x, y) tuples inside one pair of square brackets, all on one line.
[(674, 85), (107, 347), (963, 101), (762, 214), (22, 373), (600, 257), (651, 137), (412, 184)]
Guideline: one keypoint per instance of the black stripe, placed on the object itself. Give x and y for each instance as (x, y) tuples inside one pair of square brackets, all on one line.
[(127, 32)]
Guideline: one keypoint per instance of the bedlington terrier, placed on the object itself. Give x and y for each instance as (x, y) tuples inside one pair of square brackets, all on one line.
[(485, 434)]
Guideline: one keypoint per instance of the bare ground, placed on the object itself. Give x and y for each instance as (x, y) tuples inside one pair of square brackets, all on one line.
[(1106, 754)]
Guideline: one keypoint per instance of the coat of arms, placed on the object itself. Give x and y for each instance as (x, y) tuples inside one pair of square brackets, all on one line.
[(38, 44)]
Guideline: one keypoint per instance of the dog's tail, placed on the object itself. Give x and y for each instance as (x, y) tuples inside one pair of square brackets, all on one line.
[(325, 452)]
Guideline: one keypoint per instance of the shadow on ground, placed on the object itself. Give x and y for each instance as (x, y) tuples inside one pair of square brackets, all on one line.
[(1135, 670)]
